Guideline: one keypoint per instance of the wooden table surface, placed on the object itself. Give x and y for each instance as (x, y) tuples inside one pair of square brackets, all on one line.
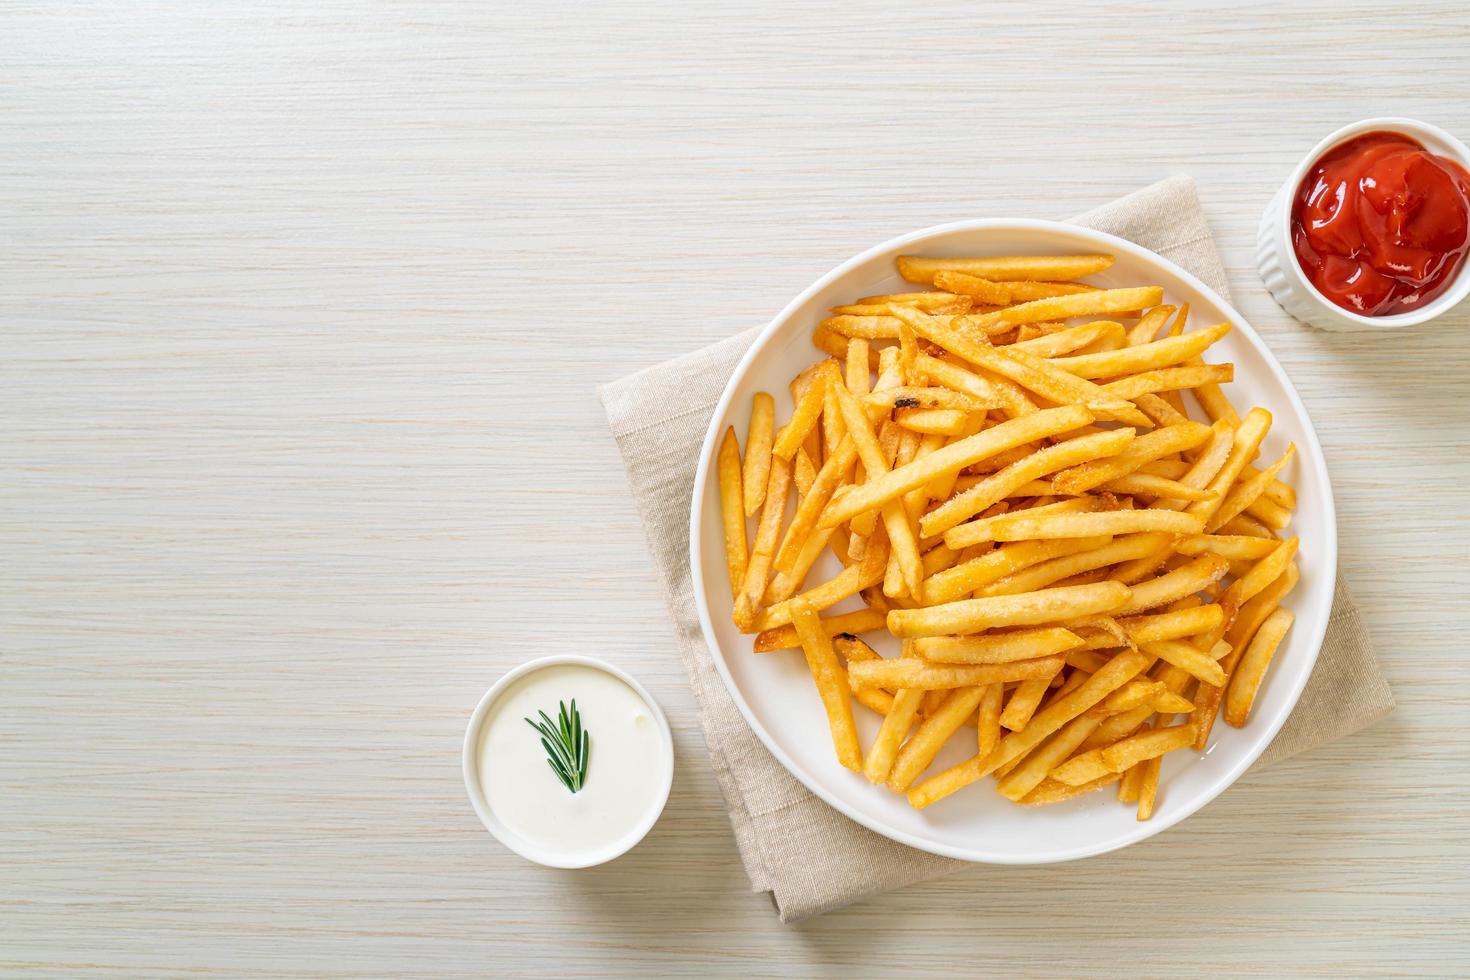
[(303, 312)]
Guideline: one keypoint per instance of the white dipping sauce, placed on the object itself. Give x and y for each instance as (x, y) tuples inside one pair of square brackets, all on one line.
[(625, 765)]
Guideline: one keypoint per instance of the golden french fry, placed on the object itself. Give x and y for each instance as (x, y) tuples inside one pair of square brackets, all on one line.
[(988, 721), (1235, 547), (834, 471), (1183, 581), (1148, 785), (1186, 657), (732, 510), (998, 648), (1239, 635), (982, 529), (930, 737), (1122, 755), (784, 637), (1173, 624), (808, 411), (950, 304), (1246, 441), (1246, 680), (1262, 574), (913, 672), (1149, 485), (981, 290), (1107, 679), (974, 615), (1028, 371), (908, 396), (942, 421), (1005, 268), (852, 650), (1148, 326), (888, 485), (1169, 379), (1071, 339), (1023, 290), (1026, 527), (1054, 570), (1024, 701), (849, 582), (1033, 769), (1060, 456), (928, 302), (960, 580), (1077, 304), (1146, 448), (1144, 357), (758, 451), (773, 509), (831, 683), (894, 730), (1250, 491)]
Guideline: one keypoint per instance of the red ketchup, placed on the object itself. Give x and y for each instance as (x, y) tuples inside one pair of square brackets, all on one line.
[(1381, 225)]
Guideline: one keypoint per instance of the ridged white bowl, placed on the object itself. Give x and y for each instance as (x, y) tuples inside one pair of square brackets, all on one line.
[(1277, 262)]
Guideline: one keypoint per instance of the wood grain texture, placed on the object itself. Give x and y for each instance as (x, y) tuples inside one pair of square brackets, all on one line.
[(303, 309)]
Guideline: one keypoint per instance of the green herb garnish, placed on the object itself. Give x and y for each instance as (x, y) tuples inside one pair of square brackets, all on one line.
[(567, 745)]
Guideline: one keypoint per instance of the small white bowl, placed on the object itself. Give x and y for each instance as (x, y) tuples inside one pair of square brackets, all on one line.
[(1276, 259), (527, 849)]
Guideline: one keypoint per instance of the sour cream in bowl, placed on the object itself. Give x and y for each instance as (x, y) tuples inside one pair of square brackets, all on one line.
[(568, 761)]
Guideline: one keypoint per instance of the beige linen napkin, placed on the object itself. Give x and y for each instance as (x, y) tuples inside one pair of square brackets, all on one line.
[(794, 845)]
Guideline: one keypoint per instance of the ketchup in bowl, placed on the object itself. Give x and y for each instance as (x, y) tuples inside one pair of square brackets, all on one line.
[(1381, 225)]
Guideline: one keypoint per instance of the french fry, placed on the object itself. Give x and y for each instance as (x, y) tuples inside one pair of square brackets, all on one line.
[(1183, 581), (1148, 485), (1071, 339), (1169, 379), (1144, 357), (1246, 680), (1051, 792), (930, 737), (988, 721), (1095, 303), (1046, 573), (1146, 448), (1235, 547), (1012, 399), (1262, 574), (981, 290), (1024, 701), (1122, 755), (1246, 441), (758, 452), (808, 411), (982, 529), (1148, 326), (1188, 658), (1033, 768), (973, 615), (732, 512), (1247, 622), (831, 683), (1148, 786), (960, 580), (1026, 370), (1027, 527), (887, 485), (942, 421), (853, 651), (850, 624), (1060, 456), (834, 471), (912, 672), (1005, 268), (952, 304), (908, 396), (1173, 624), (928, 301), (773, 509), (894, 730), (1108, 678), (849, 582), (1248, 492)]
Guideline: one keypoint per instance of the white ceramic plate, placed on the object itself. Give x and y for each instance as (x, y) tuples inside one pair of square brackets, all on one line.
[(774, 691)]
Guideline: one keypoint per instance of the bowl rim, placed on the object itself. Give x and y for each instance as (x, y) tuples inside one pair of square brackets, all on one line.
[(1103, 241), (1423, 132), (478, 800)]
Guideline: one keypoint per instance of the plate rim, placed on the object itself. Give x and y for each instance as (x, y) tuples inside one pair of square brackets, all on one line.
[(1105, 241)]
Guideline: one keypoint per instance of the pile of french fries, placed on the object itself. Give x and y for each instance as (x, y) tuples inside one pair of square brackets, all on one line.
[(1080, 575)]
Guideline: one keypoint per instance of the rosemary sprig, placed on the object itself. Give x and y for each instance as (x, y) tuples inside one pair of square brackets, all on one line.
[(567, 744)]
